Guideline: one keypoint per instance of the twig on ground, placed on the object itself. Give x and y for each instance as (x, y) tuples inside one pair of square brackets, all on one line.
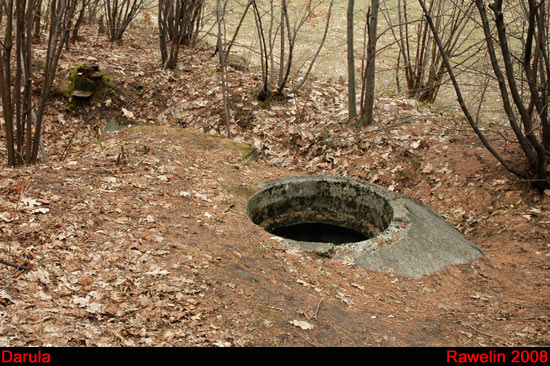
[(305, 339), (17, 266), (317, 310), (485, 334)]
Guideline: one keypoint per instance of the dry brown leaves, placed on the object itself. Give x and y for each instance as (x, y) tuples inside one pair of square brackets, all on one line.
[(154, 249)]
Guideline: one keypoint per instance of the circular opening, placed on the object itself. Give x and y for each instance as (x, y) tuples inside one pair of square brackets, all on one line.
[(320, 209), (320, 233)]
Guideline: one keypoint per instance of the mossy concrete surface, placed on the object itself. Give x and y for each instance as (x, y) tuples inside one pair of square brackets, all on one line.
[(405, 235)]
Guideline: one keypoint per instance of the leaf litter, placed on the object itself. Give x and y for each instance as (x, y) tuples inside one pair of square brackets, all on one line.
[(155, 249)]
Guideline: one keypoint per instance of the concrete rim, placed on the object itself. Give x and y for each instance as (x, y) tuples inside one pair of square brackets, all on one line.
[(416, 242)]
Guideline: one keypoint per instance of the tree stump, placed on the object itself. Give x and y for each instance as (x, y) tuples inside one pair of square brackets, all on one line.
[(84, 82)]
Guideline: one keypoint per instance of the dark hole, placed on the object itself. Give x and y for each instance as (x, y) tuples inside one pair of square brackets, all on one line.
[(316, 232)]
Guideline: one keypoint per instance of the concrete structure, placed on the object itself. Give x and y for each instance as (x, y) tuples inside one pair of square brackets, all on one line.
[(404, 235)]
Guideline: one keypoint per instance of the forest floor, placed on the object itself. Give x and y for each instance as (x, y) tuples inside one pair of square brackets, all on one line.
[(140, 237)]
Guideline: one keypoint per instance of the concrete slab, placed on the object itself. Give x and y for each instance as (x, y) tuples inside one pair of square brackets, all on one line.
[(405, 235)]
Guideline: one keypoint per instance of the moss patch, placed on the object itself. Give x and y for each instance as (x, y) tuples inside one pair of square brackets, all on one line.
[(241, 190), (243, 148)]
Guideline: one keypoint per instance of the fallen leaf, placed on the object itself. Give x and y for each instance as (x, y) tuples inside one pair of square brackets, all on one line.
[(127, 113), (5, 299), (158, 271), (5, 217), (301, 324), (30, 202), (41, 210)]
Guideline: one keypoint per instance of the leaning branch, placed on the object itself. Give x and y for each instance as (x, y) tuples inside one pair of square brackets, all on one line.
[(461, 99)]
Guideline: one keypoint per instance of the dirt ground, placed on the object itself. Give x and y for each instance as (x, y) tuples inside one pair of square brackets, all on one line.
[(139, 237)]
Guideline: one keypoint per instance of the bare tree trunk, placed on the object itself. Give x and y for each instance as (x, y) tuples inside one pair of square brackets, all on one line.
[(238, 28), (303, 79), (37, 19), (79, 20), (285, 71), (119, 14), (5, 74), (265, 93), (352, 98), (531, 146), (92, 11), (176, 21), (223, 66), (61, 14), (282, 33), (422, 63), (367, 105), (16, 81), (20, 116)]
